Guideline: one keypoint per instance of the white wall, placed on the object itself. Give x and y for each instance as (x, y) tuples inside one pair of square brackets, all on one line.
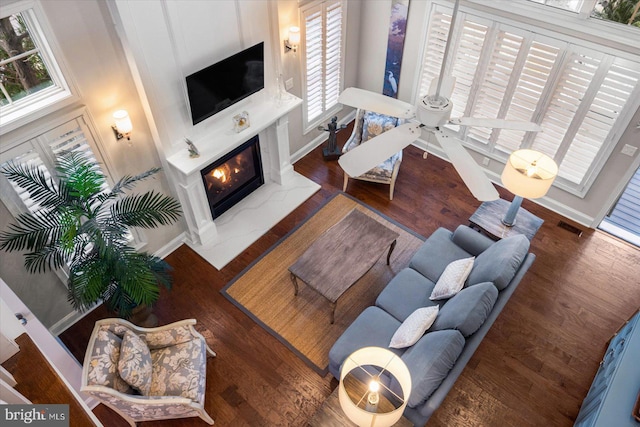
[(90, 47)]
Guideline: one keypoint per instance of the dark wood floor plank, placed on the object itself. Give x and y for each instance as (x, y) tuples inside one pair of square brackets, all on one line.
[(533, 368)]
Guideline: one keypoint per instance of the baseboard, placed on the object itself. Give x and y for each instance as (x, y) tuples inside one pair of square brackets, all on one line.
[(69, 320), (319, 139), (171, 246)]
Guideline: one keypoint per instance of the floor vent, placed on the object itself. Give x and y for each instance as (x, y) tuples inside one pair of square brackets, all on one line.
[(571, 228)]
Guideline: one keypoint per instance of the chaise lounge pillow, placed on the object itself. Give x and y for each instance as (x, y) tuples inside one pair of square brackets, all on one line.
[(429, 362), (414, 327), (452, 279), (134, 365), (499, 263), (468, 310)]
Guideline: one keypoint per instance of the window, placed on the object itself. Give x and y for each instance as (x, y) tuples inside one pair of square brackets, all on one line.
[(71, 133), (583, 98), (323, 32), (30, 78)]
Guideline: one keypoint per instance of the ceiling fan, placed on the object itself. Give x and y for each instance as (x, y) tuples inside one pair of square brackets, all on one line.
[(431, 113)]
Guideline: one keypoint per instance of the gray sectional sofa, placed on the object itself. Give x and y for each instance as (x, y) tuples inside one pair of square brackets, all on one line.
[(436, 360)]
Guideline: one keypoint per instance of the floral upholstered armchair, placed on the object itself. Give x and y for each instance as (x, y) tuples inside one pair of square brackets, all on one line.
[(147, 373), (369, 124)]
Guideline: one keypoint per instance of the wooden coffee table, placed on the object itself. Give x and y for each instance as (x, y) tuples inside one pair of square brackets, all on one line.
[(342, 255)]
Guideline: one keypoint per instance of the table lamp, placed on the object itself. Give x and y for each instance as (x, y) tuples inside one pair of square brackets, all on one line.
[(376, 370), (528, 173)]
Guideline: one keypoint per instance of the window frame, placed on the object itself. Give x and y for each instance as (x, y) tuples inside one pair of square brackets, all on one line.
[(304, 10), (622, 121), (61, 94)]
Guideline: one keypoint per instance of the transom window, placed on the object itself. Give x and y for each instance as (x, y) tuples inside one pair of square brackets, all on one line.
[(583, 97), (323, 32), (30, 78)]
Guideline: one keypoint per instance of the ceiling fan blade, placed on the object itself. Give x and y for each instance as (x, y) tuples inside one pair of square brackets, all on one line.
[(446, 89), (472, 175), (496, 123), (371, 101), (375, 151)]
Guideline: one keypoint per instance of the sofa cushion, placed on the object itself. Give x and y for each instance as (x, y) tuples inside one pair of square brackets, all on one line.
[(429, 361), (414, 327), (405, 293), (499, 263), (436, 253), (468, 310), (373, 327), (452, 279), (180, 370), (134, 364)]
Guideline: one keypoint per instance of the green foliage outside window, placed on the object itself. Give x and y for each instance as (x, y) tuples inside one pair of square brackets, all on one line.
[(623, 11), (25, 75)]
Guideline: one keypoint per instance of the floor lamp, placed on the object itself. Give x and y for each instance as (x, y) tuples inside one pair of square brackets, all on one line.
[(367, 393), (528, 173)]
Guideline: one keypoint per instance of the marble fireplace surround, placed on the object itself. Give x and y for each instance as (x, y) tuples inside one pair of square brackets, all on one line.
[(219, 241)]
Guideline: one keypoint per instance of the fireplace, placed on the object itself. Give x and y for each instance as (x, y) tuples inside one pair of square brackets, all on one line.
[(232, 177)]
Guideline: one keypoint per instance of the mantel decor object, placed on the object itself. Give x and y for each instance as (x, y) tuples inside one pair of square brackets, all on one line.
[(241, 121), (193, 150)]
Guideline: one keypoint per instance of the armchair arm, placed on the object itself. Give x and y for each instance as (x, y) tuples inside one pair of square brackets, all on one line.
[(470, 240), (356, 135)]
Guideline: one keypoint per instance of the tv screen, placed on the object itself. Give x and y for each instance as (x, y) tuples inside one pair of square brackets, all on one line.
[(224, 83)]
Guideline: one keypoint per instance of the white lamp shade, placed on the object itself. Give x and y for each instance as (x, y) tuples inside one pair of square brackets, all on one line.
[(123, 122), (390, 362), (529, 173), (294, 35)]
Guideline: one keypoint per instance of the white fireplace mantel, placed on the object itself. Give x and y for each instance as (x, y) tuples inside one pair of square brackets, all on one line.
[(222, 239)]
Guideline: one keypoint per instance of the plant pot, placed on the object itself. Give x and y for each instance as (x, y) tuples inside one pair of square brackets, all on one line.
[(142, 315)]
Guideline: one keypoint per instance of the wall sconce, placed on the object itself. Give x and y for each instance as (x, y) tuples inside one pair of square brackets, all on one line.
[(122, 127), (293, 41)]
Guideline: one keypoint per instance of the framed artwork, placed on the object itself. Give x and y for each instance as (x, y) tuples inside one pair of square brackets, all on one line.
[(395, 46)]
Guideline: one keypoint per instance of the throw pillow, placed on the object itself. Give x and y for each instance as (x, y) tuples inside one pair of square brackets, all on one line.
[(134, 365), (374, 124), (414, 327), (452, 279)]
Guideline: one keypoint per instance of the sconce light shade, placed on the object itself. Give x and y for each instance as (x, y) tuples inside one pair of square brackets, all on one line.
[(529, 173), (123, 126), (366, 398), (293, 41), (294, 35)]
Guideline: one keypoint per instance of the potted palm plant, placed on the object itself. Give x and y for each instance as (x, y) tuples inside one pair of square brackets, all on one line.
[(83, 227)]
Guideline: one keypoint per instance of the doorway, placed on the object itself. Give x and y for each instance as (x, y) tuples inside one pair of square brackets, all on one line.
[(623, 220)]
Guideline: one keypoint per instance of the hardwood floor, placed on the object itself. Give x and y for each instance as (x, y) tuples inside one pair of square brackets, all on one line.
[(533, 368)]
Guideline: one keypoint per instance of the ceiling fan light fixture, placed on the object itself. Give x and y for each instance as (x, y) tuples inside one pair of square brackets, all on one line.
[(433, 111)]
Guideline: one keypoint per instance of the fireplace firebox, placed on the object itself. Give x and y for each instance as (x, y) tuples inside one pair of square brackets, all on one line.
[(232, 177)]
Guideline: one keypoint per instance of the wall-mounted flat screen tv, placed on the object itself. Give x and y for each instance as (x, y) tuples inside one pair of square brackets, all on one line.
[(224, 83)]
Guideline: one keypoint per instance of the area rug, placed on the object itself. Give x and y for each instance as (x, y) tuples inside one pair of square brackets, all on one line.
[(264, 290)]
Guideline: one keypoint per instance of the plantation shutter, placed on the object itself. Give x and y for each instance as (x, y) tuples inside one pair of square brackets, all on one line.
[(575, 92), (323, 55), (42, 151), (33, 159), (73, 136)]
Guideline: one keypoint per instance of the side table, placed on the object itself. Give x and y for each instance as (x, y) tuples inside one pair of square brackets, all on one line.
[(488, 219)]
